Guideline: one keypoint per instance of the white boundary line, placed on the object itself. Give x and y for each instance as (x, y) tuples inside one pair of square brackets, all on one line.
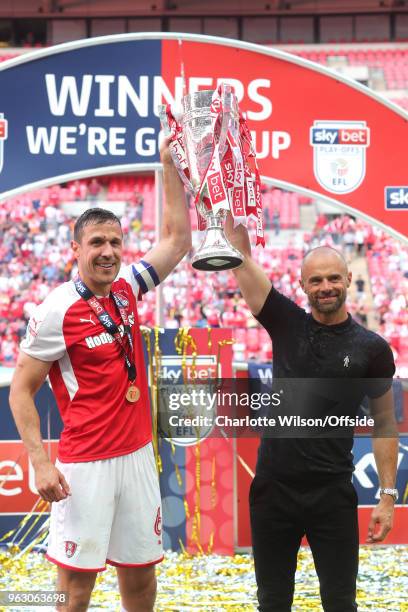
[(63, 178), (345, 207)]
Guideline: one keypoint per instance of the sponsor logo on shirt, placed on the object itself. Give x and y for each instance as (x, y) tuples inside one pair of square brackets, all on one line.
[(107, 338), (90, 320)]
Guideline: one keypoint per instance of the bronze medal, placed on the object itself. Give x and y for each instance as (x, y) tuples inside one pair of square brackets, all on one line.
[(133, 393)]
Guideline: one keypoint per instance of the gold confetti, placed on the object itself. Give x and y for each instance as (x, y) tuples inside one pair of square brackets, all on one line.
[(218, 583)]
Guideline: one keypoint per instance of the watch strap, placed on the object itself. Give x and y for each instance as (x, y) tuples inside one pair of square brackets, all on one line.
[(392, 492)]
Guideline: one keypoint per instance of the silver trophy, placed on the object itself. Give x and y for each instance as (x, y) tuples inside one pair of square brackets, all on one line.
[(215, 252)]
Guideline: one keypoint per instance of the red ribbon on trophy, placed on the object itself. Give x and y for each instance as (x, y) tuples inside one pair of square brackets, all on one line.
[(213, 152)]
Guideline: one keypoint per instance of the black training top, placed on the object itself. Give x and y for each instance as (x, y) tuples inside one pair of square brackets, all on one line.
[(304, 349)]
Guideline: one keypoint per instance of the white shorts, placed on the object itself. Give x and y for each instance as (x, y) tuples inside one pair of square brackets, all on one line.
[(113, 514)]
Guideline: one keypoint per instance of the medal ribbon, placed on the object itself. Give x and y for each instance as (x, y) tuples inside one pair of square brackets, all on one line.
[(109, 324)]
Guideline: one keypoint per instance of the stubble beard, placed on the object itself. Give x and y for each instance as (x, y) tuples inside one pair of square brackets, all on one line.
[(328, 308)]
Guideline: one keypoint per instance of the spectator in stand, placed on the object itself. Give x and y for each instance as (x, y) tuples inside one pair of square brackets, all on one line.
[(359, 240), (94, 189), (202, 321), (360, 284), (240, 317), (8, 347), (370, 239), (35, 237), (320, 223), (79, 190), (349, 242), (213, 318), (276, 222), (267, 218), (361, 315)]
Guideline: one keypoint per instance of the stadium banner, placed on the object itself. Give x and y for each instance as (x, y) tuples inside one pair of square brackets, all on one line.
[(18, 495), (196, 480), (90, 107), (365, 480)]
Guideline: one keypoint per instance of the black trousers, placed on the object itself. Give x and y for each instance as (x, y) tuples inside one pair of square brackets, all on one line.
[(281, 513)]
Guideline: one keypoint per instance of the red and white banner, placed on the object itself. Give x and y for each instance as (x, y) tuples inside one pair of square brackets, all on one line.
[(89, 112)]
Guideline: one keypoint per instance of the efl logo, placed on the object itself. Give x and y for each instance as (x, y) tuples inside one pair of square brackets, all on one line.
[(339, 154), (396, 198), (3, 137), (174, 370)]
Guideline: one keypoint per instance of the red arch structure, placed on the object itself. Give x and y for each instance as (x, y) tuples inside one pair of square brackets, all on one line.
[(90, 107)]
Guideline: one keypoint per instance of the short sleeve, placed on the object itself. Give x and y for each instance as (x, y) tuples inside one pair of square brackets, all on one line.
[(278, 312), (380, 372), (141, 276), (44, 337)]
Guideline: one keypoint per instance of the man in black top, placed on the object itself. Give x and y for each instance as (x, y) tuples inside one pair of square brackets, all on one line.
[(303, 484)]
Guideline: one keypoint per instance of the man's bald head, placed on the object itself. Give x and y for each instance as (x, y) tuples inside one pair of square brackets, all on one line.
[(322, 253)]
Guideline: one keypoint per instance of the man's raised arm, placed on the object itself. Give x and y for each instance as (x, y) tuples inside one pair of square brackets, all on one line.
[(252, 280), (175, 239)]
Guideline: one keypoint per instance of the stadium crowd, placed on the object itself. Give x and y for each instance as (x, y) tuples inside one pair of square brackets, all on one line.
[(35, 256)]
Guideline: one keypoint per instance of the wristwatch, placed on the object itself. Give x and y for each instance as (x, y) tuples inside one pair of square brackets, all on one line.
[(392, 492)]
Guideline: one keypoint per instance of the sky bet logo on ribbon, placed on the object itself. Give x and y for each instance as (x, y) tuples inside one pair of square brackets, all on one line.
[(396, 198), (3, 137), (339, 160)]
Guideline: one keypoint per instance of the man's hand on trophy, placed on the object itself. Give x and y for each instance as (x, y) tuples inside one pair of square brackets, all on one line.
[(238, 236), (169, 168), (165, 156)]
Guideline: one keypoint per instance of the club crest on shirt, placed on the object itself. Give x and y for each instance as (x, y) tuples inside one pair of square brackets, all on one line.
[(70, 548), (158, 523), (121, 295)]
